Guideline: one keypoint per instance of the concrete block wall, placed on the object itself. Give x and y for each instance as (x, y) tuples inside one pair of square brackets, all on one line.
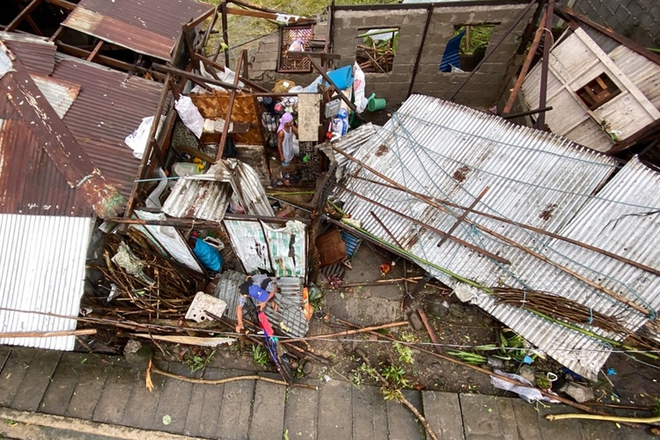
[(483, 89), (349, 23), (485, 86), (638, 20)]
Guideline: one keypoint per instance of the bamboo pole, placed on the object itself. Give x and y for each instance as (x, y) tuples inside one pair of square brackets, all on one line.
[(55, 334), (349, 332), (553, 417)]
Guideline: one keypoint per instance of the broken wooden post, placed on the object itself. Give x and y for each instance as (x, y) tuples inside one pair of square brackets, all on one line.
[(429, 330), (146, 155), (547, 41), (230, 108), (490, 52), (526, 66), (332, 83)]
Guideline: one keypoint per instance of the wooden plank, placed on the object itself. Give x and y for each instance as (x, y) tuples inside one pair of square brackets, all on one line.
[(309, 117), (25, 13)]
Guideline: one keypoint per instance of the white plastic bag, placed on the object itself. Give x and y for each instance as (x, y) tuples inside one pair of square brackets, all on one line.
[(529, 394), (139, 138), (359, 83), (190, 115)]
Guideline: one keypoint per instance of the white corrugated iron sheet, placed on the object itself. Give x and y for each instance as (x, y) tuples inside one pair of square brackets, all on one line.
[(206, 196), (42, 269), (278, 250), (451, 153)]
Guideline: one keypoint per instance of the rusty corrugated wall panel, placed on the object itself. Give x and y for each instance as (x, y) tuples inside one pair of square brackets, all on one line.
[(450, 152), (42, 269), (149, 27), (30, 183), (37, 54), (109, 107), (213, 105)]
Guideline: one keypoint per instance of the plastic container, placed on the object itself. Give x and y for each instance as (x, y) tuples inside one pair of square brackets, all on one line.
[(375, 104), (342, 77), (183, 169)]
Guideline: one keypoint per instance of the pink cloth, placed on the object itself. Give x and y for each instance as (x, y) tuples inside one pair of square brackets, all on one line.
[(286, 117)]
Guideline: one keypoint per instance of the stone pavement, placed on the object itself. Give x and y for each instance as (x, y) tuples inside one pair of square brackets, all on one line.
[(63, 395)]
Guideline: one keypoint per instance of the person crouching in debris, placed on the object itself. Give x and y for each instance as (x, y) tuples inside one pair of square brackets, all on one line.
[(261, 289), (285, 132)]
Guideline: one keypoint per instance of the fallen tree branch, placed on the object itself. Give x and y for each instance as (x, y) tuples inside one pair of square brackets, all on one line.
[(553, 417), (228, 379), (402, 399), (349, 332)]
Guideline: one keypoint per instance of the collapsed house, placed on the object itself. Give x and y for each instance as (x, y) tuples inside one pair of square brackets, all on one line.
[(603, 88), (507, 216)]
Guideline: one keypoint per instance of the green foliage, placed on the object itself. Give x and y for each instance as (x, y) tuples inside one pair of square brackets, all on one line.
[(394, 375), (198, 361), (468, 357), (479, 37), (656, 407), (405, 353), (259, 355)]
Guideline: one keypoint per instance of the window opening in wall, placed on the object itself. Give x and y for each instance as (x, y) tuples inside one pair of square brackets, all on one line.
[(598, 91), (293, 41), (376, 49), (466, 48)]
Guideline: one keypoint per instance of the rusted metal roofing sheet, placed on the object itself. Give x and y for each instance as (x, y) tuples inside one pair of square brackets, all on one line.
[(30, 183), (37, 54), (278, 250), (149, 27), (36, 144), (59, 93), (42, 269), (450, 152), (109, 107), (206, 196)]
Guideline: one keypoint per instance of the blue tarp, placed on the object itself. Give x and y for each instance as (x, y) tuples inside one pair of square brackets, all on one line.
[(450, 57)]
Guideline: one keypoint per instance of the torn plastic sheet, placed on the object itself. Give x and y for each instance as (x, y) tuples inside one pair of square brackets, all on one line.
[(285, 18), (190, 115), (528, 394)]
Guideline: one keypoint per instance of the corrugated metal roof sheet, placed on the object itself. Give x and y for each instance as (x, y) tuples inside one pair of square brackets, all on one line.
[(289, 318), (282, 251), (148, 27), (206, 196), (450, 152), (109, 107), (60, 94), (37, 54), (42, 269)]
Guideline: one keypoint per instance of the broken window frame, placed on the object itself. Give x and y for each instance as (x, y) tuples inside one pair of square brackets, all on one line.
[(465, 42), (299, 65), (393, 42), (598, 91)]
